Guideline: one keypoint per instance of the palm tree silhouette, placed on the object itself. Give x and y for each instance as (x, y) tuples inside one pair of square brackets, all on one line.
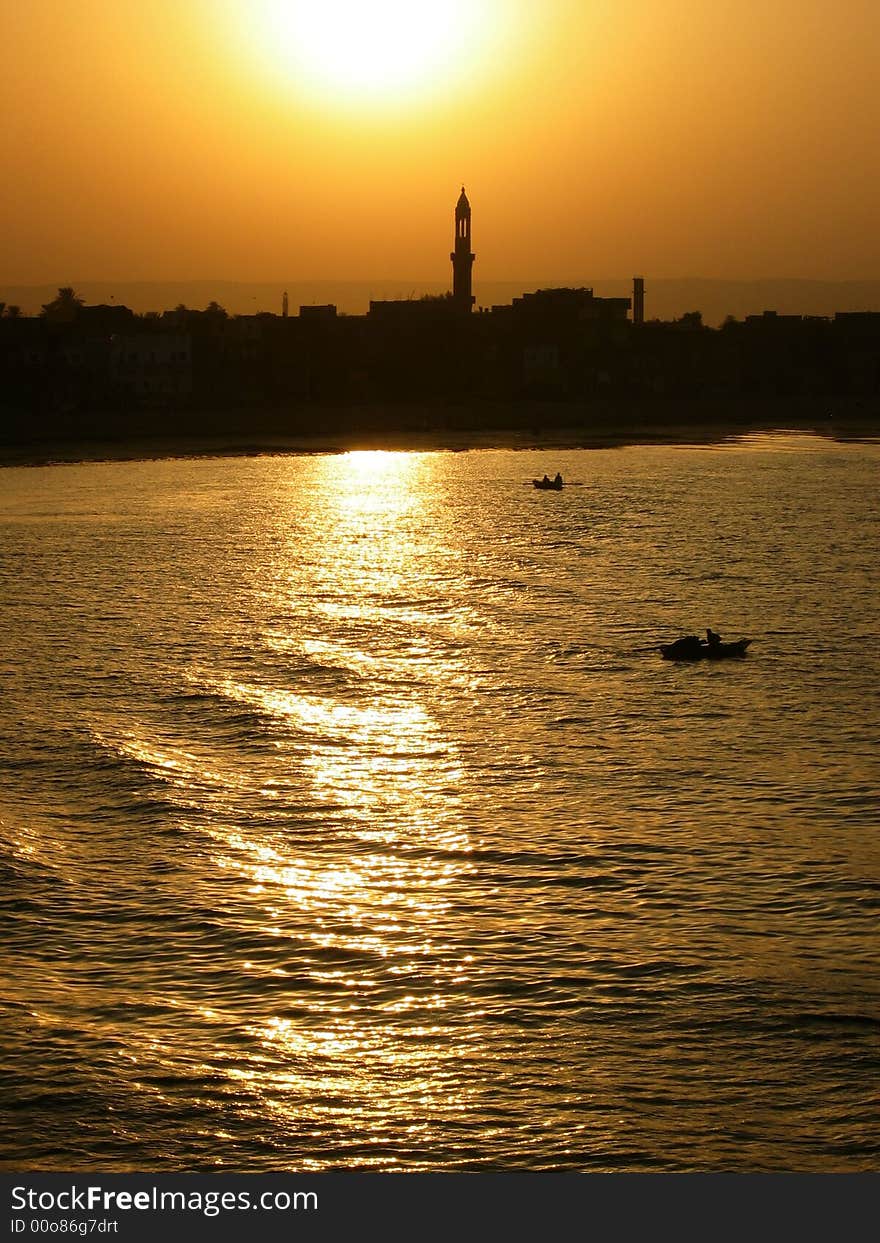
[(65, 306)]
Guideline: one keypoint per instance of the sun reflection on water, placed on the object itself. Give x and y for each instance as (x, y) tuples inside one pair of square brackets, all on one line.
[(366, 904)]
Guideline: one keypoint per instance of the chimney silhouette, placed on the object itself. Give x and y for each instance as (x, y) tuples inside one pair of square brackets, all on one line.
[(638, 300)]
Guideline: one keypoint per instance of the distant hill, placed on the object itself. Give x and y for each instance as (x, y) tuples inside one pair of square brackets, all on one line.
[(664, 299)]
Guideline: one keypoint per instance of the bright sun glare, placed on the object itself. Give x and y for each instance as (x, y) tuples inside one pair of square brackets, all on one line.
[(376, 49)]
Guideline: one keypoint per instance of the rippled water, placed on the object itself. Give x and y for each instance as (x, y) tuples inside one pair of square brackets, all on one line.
[(351, 821)]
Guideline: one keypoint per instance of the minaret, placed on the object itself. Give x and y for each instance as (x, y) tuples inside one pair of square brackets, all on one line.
[(462, 258), (284, 306)]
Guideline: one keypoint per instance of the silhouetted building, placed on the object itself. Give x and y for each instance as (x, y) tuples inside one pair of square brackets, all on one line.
[(638, 300), (580, 304), (152, 366), (558, 343), (772, 319), (285, 306), (429, 307), (865, 321), (323, 312), (462, 257)]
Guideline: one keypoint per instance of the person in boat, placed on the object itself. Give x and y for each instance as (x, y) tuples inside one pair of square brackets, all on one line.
[(713, 639), (546, 480), (557, 480)]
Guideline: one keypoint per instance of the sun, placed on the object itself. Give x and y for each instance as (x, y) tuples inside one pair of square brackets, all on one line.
[(374, 50)]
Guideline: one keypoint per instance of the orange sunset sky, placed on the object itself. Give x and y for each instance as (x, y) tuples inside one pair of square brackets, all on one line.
[(266, 139)]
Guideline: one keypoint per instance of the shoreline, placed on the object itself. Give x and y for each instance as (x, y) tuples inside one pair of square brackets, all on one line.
[(423, 432)]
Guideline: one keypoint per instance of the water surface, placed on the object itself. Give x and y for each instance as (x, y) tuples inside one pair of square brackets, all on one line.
[(352, 820)]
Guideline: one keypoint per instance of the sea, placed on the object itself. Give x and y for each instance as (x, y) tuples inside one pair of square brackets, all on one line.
[(351, 819)]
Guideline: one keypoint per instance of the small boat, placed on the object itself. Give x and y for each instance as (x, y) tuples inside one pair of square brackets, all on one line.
[(548, 485), (692, 648)]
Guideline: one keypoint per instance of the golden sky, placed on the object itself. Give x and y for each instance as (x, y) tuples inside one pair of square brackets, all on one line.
[(278, 139)]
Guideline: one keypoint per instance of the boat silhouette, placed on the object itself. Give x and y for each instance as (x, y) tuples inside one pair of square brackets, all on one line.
[(693, 648)]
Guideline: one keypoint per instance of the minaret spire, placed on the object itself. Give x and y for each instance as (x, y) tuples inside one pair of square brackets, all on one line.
[(462, 257)]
